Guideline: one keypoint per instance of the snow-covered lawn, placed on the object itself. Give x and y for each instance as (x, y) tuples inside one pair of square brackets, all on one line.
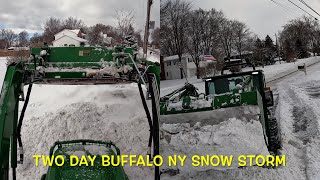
[(277, 70), (103, 112)]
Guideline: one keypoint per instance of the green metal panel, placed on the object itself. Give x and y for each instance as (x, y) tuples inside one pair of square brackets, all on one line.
[(96, 172), (9, 101), (155, 69), (249, 98), (76, 54)]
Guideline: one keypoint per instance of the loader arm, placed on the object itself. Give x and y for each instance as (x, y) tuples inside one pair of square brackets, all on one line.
[(74, 66), (9, 104)]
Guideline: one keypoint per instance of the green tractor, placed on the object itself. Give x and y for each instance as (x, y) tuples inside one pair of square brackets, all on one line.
[(74, 66), (66, 148), (225, 91)]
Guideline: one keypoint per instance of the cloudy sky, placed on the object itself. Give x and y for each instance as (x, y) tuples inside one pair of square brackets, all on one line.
[(30, 15), (262, 16)]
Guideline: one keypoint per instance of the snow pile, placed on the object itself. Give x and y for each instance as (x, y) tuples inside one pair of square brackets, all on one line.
[(105, 112), (232, 137), (153, 58), (109, 68), (3, 70), (194, 104), (201, 103), (299, 102)]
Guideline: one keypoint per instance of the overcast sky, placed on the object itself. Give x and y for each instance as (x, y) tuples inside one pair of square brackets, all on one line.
[(262, 16), (30, 15)]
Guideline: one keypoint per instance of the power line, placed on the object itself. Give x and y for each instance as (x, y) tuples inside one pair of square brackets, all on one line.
[(309, 7), (285, 7), (302, 9)]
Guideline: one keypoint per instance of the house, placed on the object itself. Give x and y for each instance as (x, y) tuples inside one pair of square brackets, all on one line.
[(172, 70), (107, 41), (69, 37)]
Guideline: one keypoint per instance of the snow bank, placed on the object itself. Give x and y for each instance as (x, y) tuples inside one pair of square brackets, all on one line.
[(231, 137), (3, 69), (104, 112), (277, 70), (154, 57), (299, 102)]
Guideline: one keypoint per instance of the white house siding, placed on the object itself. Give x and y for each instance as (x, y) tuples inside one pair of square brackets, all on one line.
[(172, 70), (66, 40)]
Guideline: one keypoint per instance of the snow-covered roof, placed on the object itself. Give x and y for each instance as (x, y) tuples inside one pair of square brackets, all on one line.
[(170, 58), (75, 31), (75, 38)]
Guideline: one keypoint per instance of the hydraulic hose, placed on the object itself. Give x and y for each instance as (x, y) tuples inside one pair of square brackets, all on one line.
[(145, 106), (20, 123), (14, 175)]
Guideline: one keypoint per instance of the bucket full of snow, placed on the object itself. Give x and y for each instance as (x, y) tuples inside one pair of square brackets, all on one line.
[(232, 131)]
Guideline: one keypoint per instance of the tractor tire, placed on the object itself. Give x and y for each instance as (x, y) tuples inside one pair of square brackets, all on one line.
[(275, 139)]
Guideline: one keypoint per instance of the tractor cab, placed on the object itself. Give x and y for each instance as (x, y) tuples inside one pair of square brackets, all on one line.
[(84, 148)]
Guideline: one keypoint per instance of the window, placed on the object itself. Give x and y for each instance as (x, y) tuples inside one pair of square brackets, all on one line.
[(167, 74), (189, 60), (169, 63), (174, 62)]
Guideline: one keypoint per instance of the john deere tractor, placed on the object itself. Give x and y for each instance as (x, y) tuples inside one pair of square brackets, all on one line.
[(225, 91), (73, 66)]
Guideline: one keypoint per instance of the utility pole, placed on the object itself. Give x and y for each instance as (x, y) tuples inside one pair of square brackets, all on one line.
[(146, 32), (278, 47)]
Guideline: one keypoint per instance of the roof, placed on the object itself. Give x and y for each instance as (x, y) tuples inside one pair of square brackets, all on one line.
[(174, 57), (75, 31), (75, 38)]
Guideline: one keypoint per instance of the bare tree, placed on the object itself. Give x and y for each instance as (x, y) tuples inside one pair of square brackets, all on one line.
[(95, 33), (125, 20), (195, 45), (8, 37), (242, 34), (36, 40), (173, 26), (227, 36), (211, 36), (301, 33), (23, 38), (73, 23), (51, 27)]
